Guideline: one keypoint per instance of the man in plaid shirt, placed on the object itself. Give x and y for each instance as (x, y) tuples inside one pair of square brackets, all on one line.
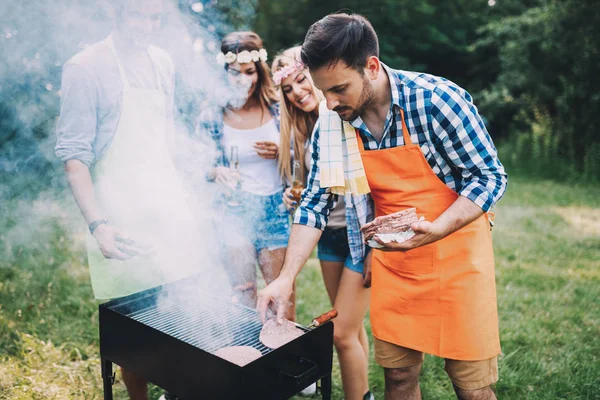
[(423, 145)]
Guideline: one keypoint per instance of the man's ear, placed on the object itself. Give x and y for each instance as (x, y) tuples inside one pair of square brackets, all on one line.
[(373, 67)]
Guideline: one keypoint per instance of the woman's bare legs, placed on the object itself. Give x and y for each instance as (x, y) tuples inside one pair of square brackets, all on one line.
[(241, 269), (364, 341), (332, 274), (271, 263), (137, 387), (351, 300)]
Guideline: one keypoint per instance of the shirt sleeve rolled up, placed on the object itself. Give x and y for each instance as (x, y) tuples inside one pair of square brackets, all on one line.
[(76, 129), (467, 146)]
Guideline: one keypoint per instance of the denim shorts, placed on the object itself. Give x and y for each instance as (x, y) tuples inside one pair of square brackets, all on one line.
[(262, 221), (333, 246)]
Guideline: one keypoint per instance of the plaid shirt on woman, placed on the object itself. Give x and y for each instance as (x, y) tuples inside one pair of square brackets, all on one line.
[(442, 119)]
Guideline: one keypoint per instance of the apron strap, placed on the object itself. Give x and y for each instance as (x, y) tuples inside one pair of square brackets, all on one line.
[(405, 133), (156, 75), (124, 79), (361, 146)]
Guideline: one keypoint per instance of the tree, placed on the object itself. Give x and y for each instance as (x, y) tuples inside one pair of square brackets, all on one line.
[(548, 85)]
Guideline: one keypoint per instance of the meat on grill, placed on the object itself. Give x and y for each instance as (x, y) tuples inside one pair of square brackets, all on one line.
[(240, 355), (275, 335)]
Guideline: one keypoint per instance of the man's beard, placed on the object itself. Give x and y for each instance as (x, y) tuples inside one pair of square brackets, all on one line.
[(364, 101)]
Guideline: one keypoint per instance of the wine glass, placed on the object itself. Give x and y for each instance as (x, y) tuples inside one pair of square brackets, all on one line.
[(234, 166)]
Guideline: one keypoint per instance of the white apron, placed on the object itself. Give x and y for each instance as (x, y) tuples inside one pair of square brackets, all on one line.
[(142, 195)]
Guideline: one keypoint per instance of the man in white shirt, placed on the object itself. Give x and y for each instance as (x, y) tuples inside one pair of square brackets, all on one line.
[(116, 114)]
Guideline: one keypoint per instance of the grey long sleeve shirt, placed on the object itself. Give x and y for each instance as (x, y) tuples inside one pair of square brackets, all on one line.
[(91, 93)]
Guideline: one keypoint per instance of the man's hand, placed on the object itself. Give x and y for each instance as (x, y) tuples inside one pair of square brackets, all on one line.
[(367, 270), (266, 150), (425, 232), (113, 244), (461, 213), (275, 296), (370, 228)]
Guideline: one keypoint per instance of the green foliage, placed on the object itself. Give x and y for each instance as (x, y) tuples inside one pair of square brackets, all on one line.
[(546, 95), (423, 35), (531, 66)]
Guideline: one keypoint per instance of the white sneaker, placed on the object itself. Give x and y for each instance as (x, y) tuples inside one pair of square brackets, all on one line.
[(309, 390)]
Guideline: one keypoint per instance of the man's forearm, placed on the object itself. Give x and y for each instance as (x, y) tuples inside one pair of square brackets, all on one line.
[(461, 213), (80, 181), (303, 240)]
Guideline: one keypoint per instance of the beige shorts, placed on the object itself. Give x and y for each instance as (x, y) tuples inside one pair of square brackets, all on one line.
[(467, 375)]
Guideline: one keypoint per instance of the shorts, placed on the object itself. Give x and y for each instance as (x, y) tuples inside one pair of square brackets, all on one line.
[(262, 221), (333, 246), (467, 375)]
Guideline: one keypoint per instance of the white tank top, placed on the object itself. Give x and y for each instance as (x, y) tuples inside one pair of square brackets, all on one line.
[(259, 176)]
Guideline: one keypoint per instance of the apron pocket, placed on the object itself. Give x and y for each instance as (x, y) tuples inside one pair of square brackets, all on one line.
[(416, 261)]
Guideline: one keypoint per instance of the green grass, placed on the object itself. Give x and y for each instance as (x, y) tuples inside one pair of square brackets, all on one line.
[(547, 246)]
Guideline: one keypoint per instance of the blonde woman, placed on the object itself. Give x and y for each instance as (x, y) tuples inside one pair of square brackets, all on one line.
[(341, 250), (256, 229)]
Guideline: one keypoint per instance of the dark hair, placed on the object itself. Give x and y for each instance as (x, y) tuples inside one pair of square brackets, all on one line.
[(237, 42), (340, 37)]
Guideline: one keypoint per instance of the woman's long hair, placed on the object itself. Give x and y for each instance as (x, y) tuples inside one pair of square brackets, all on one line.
[(295, 123), (236, 42)]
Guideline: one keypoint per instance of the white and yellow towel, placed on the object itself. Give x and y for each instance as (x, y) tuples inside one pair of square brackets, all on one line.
[(340, 162)]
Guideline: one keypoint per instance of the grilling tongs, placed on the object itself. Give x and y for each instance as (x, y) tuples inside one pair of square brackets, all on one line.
[(321, 319)]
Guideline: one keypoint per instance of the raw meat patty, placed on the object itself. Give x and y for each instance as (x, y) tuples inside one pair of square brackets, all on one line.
[(394, 227), (397, 222), (240, 355), (274, 335)]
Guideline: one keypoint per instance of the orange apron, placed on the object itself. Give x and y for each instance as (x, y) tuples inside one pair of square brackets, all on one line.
[(440, 298)]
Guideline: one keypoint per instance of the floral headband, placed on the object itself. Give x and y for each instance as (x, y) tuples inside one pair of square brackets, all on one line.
[(286, 71), (243, 57)]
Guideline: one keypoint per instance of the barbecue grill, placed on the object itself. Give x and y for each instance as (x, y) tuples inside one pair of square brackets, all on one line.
[(170, 342)]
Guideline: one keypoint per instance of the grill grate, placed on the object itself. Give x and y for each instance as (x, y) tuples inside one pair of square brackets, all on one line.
[(204, 322), (164, 334)]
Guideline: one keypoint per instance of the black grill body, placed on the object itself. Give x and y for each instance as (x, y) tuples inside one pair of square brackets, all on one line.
[(170, 343)]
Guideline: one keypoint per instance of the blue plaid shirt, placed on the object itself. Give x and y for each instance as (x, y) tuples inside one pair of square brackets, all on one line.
[(442, 119), (359, 211)]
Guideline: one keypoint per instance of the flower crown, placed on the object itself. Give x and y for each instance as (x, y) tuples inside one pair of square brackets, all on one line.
[(243, 57), (286, 71)]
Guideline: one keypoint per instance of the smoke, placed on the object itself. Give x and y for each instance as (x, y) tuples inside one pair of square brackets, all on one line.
[(36, 39)]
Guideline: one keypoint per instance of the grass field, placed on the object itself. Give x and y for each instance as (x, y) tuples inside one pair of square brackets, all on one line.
[(547, 246)]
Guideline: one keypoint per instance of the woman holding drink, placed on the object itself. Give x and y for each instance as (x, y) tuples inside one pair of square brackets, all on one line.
[(341, 249), (253, 222)]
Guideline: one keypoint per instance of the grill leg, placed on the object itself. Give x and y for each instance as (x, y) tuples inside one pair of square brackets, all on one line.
[(326, 387), (107, 379)]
